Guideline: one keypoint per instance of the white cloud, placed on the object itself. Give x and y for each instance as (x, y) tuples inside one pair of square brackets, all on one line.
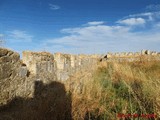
[(1, 35), (102, 38), (95, 23), (153, 7), (142, 14), (147, 16), (132, 21), (54, 7), (158, 25), (95, 36), (19, 36)]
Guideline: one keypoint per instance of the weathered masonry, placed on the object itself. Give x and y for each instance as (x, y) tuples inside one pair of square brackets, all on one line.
[(60, 64), (18, 77), (144, 55)]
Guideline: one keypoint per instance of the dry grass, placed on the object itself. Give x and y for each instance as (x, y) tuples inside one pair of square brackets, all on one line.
[(99, 92), (114, 88)]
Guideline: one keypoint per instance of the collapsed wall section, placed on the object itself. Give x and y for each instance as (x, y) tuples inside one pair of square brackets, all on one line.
[(12, 75), (17, 77), (38, 62)]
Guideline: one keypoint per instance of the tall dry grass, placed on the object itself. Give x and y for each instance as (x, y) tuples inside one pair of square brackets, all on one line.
[(113, 88), (99, 92)]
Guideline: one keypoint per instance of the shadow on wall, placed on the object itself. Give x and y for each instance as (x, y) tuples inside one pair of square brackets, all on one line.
[(50, 102)]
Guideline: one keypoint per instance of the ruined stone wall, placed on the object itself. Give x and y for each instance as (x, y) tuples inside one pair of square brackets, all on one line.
[(41, 65), (67, 64), (12, 75), (61, 65), (18, 77), (38, 62), (144, 55)]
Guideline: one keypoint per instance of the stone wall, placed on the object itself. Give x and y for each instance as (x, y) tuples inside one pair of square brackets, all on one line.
[(130, 56), (67, 64), (38, 62), (17, 77), (12, 75), (62, 65)]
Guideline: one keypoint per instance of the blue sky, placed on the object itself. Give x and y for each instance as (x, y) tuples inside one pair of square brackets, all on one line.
[(80, 26)]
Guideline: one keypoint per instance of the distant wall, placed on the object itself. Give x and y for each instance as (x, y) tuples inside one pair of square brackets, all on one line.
[(131, 57)]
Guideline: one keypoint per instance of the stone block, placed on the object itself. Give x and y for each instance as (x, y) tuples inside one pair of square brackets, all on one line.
[(143, 52), (5, 59), (148, 52), (23, 71), (3, 52)]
